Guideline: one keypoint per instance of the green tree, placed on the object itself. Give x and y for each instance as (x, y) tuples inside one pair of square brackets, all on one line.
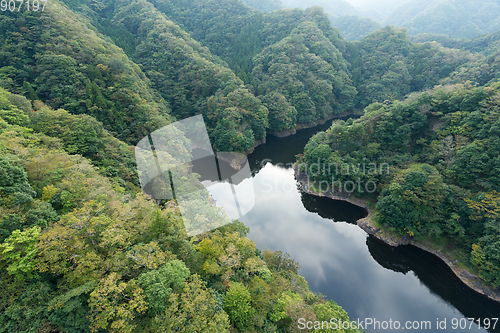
[(329, 310), (416, 204), (14, 186), (114, 304), (158, 284), (237, 304), (70, 310), (10, 222), (18, 252), (282, 116), (194, 310), (10, 112)]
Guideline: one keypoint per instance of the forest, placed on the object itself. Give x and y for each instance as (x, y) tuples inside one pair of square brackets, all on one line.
[(84, 250), (460, 19)]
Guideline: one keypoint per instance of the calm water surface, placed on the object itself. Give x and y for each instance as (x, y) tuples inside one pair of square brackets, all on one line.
[(368, 278)]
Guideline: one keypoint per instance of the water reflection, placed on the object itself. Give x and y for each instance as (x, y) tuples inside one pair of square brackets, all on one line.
[(332, 209), (365, 276), (368, 278), (436, 276)]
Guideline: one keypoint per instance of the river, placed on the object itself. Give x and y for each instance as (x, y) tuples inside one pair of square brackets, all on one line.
[(368, 278)]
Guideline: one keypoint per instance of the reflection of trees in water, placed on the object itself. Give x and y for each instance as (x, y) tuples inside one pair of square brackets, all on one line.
[(336, 210), (436, 276), (388, 256), (200, 167)]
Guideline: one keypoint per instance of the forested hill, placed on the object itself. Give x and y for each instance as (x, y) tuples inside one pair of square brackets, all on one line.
[(486, 44), (137, 65), (354, 27), (454, 18)]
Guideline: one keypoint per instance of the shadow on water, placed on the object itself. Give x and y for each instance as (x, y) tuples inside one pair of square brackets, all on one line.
[(336, 210), (436, 276), (431, 271)]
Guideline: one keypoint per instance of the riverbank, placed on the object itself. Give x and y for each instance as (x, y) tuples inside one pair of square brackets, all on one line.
[(394, 239)]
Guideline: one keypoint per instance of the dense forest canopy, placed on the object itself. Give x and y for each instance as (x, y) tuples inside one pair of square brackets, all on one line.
[(207, 53), (352, 22), (453, 18), (83, 250)]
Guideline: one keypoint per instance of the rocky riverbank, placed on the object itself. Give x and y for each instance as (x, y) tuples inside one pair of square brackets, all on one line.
[(394, 239)]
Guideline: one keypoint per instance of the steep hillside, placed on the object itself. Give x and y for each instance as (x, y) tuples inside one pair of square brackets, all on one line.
[(454, 18), (244, 38), (110, 86), (309, 71), (58, 57), (484, 44), (316, 39), (387, 66), (353, 23), (220, 58), (189, 77), (483, 68)]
